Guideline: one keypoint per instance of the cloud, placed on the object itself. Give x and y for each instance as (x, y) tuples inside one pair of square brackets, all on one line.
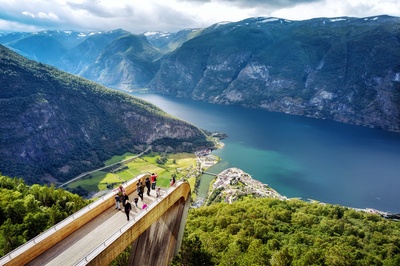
[(138, 16), (340, 8), (102, 9), (41, 15), (273, 4)]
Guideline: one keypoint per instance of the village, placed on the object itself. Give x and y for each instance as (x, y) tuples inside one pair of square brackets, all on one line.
[(232, 183)]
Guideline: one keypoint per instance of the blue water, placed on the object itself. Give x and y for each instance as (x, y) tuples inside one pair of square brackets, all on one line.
[(299, 156)]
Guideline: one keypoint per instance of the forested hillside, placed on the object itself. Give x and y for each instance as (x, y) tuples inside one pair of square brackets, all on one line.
[(266, 231), (252, 231), (26, 211), (55, 125)]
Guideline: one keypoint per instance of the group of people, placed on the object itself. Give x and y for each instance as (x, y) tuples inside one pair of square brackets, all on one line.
[(121, 197)]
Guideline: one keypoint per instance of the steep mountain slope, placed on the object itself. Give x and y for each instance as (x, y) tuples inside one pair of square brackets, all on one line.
[(128, 62), (54, 125), (70, 51), (345, 69), (80, 57)]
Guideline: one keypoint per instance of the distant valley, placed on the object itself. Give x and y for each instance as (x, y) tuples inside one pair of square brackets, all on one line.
[(343, 69)]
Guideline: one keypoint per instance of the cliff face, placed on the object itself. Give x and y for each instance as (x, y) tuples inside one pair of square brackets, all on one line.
[(343, 69), (54, 125)]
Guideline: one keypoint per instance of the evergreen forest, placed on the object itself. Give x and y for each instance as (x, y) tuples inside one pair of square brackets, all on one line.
[(265, 231), (26, 211), (251, 231)]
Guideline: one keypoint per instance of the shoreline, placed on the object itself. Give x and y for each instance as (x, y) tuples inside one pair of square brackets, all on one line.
[(229, 174)]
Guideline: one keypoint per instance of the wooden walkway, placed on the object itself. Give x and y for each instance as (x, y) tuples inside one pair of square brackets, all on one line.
[(76, 246)]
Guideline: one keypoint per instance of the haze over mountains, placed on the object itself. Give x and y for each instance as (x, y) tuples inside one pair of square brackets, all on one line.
[(344, 69)]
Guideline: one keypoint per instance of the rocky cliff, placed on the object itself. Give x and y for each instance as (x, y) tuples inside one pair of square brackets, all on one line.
[(54, 125), (344, 69)]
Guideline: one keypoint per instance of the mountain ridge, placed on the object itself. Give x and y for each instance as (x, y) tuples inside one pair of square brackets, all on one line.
[(344, 68), (55, 125)]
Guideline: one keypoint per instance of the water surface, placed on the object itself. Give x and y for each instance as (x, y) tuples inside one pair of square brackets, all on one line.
[(299, 156)]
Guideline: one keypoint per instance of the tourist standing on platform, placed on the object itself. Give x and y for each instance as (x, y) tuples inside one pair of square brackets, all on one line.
[(147, 181), (128, 208), (172, 181), (125, 197), (153, 179), (117, 200), (141, 190), (118, 197), (138, 186), (158, 192)]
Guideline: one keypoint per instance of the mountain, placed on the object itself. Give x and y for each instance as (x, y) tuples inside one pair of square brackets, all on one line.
[(127, 62), (70, 51), (344, 69), (80, 57), (169, 41), (45, 46), (54, 125)]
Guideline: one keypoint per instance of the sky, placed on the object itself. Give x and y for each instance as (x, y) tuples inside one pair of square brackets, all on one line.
[(139, 16)]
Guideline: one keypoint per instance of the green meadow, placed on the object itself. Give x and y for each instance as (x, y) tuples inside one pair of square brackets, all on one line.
[(182, 165)]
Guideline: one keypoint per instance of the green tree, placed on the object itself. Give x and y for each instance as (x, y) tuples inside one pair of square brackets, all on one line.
[(27, 211), (281, 258), (192, 253)]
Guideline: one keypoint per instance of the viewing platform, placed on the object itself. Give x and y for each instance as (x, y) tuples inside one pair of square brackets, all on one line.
[(98, 233)]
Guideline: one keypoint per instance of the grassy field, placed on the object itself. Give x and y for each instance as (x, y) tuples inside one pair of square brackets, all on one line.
[(183, 165)]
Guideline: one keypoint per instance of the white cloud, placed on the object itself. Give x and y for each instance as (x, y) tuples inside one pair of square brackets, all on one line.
[(138, 16), (41, 15), (340, 8), (26, 13)]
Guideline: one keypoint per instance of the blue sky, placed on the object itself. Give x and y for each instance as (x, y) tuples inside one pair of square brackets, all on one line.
[(138, 16)]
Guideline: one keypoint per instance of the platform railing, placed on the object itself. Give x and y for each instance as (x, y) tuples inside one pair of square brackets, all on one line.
[(96, 251), (70, 219)]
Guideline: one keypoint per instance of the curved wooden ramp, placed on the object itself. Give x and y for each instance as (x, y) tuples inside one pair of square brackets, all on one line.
[(99, 233)]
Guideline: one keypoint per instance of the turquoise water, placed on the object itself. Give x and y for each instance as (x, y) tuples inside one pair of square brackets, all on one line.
[(299, 156)]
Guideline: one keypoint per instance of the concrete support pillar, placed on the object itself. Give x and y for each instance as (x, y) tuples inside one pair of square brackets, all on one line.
[(158, 244)]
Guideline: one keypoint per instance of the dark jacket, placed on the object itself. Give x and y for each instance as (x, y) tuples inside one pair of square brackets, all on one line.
[(128, 206)]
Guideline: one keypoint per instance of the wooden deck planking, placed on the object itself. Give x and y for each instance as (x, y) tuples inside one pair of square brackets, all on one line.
[(77, 245)]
